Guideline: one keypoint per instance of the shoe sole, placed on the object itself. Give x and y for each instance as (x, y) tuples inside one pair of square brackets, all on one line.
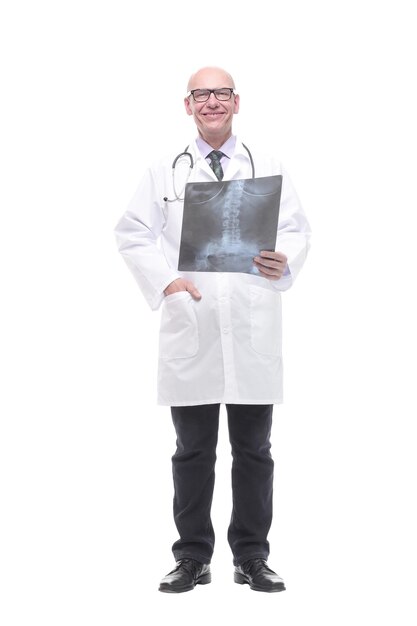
[(242, 580), (203, 580)]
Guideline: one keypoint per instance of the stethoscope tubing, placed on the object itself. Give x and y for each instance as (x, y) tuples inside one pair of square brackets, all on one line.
[(191, 159)]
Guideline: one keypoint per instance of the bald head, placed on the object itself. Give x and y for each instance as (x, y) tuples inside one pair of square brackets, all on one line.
[(210, 78)]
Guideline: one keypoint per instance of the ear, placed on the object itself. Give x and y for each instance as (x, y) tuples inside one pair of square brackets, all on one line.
[(237, 103), (188, 106)]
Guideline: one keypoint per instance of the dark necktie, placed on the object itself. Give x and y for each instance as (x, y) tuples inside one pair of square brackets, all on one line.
[(215, 164)]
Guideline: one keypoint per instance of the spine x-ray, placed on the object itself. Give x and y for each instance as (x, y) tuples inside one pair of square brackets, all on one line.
[(227, 223)]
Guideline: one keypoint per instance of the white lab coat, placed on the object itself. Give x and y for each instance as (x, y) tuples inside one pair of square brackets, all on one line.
[(225, 348)]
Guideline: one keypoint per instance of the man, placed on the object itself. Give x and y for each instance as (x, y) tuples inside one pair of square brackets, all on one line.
[(220, 340)]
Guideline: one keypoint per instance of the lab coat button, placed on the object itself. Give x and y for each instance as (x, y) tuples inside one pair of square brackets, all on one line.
[(225, 329)]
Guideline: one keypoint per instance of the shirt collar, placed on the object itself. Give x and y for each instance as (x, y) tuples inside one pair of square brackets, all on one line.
[(227, 148)]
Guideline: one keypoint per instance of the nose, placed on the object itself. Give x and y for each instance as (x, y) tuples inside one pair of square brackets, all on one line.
[(212, 100)]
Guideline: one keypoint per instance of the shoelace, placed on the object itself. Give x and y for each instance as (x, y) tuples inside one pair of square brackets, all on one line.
[(189, 565), (253, 566)]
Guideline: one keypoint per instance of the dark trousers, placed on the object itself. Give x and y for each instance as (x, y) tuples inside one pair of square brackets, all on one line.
[(193, 467)]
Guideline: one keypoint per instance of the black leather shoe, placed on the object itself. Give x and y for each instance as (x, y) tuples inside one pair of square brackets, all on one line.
[(258, 576), (186, 576)]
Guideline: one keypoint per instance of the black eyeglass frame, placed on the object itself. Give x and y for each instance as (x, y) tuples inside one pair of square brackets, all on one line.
[(210, 91)]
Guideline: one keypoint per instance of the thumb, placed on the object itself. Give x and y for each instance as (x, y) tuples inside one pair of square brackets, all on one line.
[(192, 289)]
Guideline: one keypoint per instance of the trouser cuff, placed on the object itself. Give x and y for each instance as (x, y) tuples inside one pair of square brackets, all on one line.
[(238, 560), (188, 555)]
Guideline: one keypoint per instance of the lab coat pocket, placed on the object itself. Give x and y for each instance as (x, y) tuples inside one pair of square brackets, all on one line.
[(178, 338), (265, 320)]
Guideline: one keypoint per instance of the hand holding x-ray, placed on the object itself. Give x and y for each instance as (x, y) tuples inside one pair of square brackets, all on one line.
[(271, 265)]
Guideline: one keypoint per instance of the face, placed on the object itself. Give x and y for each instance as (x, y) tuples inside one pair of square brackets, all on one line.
[(213, 118)]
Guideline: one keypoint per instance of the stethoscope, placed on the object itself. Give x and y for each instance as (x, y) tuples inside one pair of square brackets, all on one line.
[(189, 156)]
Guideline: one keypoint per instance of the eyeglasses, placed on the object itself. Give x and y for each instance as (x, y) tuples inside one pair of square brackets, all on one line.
[(202, 95)]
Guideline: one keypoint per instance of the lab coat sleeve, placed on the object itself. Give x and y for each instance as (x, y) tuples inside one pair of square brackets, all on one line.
[(137, 235), (293, 238)]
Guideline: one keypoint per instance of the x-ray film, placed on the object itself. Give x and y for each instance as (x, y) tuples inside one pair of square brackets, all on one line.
[(227, 223)]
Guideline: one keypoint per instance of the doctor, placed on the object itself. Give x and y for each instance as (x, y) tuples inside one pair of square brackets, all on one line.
[(220, 340)]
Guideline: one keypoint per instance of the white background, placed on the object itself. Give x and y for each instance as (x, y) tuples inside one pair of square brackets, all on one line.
[(92, 92)]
